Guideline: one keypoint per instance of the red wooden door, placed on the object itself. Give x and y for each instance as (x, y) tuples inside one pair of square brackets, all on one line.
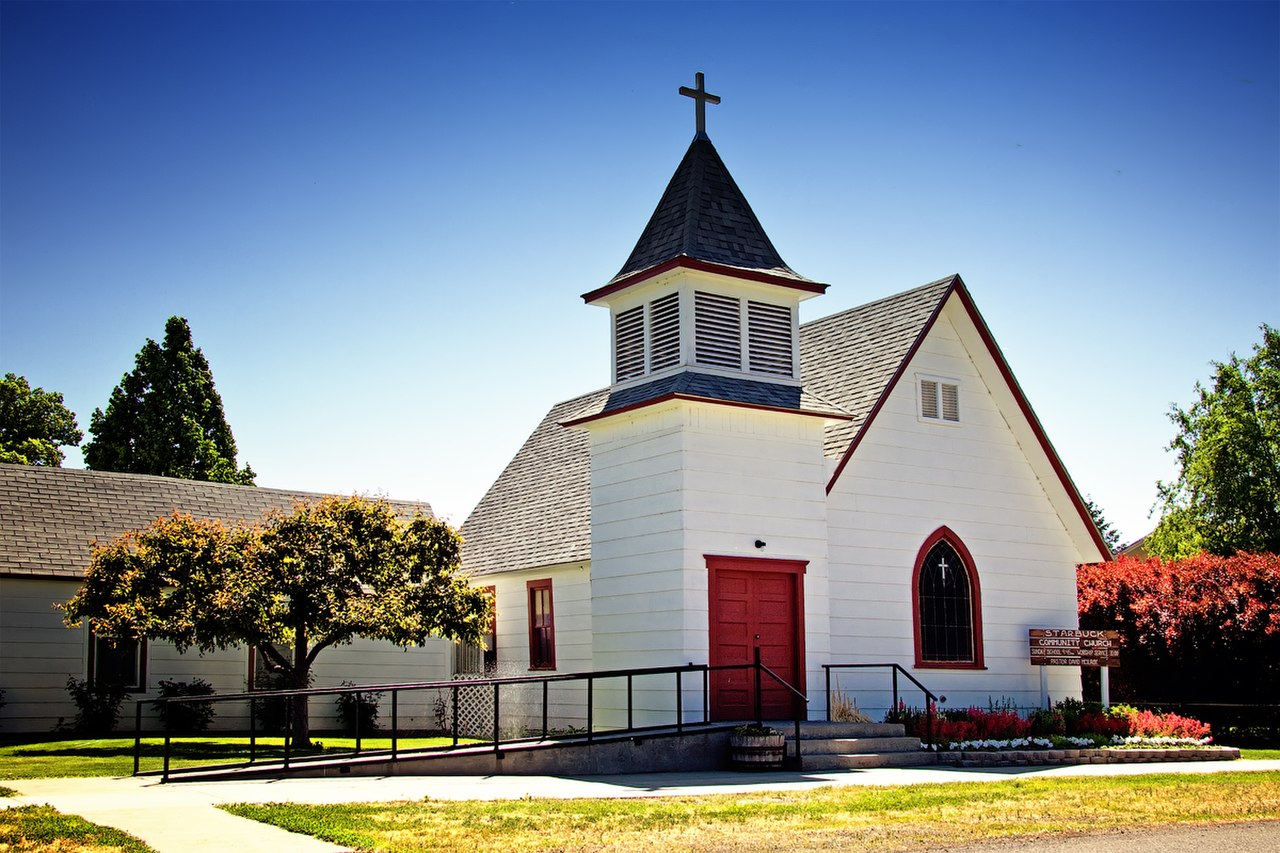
[(755, 603)]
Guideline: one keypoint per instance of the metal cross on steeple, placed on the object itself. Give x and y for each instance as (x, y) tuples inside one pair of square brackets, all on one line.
[(702, 98)]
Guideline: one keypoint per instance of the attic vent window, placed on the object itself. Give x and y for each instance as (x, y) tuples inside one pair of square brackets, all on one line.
[(939, 400), (717, 330)]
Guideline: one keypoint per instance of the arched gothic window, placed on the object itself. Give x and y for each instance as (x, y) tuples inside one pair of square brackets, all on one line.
[(948, 613)]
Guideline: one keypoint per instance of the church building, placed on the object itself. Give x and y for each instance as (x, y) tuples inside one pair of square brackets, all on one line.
[(870, 487)]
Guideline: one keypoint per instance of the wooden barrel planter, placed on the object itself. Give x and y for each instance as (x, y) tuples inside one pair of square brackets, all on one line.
[(757, 752)]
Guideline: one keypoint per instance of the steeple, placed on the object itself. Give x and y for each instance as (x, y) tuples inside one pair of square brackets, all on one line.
[(705, 306), (703, 221)]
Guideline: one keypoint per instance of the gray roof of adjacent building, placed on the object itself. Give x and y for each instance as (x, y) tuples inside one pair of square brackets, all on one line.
[(538, 512), (50, 517)]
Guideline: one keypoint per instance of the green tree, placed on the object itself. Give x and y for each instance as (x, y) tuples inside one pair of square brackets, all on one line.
[(319, 576), (34, 424), (1227, 495), (1109, 534), (165, 417)]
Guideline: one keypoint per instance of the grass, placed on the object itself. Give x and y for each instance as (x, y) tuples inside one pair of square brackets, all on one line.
[(1260, 754), (899, 818), (7, 792), (43, 829), (114, 756)]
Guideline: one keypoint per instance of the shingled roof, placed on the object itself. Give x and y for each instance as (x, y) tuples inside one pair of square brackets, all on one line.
[(49, 517), (705, 217), (538, 512)]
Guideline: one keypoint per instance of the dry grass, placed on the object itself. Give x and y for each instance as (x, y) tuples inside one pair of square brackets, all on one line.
[(42, 829), (907, 818)]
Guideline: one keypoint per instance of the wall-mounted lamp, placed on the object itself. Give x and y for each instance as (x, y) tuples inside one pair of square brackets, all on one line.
[(759, 543)]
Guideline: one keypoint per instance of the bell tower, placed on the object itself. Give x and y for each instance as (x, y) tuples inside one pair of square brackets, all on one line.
[(708, 454)]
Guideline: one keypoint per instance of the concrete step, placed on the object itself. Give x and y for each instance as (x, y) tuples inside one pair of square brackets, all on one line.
[(855, 746), (865, 761), (820, 729)]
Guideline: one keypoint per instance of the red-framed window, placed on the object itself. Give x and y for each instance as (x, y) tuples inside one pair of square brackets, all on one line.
[(947, 604), (542, 625), (491, 632)]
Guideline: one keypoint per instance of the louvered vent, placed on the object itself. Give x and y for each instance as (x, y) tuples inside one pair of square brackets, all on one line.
[(769, 338), (664, 332), (717, 331), (950, 403), (928, 399), (628, 336)]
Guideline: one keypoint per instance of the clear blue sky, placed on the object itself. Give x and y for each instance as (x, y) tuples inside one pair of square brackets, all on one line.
[(378, 217)]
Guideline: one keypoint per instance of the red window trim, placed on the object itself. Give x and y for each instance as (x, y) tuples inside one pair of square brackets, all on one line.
[(945, 534), (530, 587), (492, 651)]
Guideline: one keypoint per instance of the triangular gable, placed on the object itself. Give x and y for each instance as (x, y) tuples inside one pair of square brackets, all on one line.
[(982, 347)]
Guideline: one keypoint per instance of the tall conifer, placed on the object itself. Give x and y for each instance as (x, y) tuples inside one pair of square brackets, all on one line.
[(165, 417)]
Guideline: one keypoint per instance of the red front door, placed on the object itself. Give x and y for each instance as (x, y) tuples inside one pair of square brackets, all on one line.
[(755, 603)]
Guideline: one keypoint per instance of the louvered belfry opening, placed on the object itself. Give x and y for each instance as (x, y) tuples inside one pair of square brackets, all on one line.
[(946, 607), (717, 330)]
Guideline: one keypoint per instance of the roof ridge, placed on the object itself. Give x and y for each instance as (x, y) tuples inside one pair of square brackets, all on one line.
[(947, 280)]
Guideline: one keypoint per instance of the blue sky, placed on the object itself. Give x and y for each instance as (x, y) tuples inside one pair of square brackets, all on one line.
[(379, 217)]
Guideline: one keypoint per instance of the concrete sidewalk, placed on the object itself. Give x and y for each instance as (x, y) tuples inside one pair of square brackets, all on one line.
[(183, 818)]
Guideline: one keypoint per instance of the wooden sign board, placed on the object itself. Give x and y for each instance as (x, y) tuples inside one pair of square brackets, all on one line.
[(1074, 647)]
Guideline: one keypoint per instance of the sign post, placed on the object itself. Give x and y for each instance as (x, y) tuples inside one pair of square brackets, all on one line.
[(1074, 647)]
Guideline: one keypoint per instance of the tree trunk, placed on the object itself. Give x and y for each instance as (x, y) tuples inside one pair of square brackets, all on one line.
[(301, 681)]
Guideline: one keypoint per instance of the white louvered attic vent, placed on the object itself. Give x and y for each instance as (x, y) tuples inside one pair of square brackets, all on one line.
[(939, 400), (717, 330), (950, 403), (664, 332), (769, 338), (628, 337)]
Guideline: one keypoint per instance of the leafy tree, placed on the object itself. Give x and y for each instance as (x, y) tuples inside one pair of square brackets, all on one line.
[(34, 424), (318, 576), (165, 417), (1227, 495), (1109, 534)]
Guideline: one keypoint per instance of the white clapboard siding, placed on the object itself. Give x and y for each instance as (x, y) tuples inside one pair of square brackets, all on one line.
[(980, 478)]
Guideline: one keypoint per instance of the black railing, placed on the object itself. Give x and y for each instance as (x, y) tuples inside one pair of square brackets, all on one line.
[(289, 757), (931, 700), (799, 710)]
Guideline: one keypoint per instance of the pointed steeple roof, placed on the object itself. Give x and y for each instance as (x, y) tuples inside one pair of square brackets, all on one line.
[(704, 221)]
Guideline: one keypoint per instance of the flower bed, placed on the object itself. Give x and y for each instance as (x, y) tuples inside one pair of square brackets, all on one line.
[(1069, 733)]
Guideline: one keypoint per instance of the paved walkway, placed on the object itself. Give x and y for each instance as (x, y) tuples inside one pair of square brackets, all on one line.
[(183, 818)]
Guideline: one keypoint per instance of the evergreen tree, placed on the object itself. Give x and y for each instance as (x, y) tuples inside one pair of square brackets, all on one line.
[(165, 417), (34, 424)]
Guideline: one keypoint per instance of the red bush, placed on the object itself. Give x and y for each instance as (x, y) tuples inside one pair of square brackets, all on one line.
[(1205, 628)]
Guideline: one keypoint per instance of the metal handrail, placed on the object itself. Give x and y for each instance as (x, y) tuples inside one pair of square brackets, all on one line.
[(454, 686), (931, 698)]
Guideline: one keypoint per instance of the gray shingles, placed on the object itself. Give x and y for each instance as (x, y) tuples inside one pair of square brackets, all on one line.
[(703, 215), (49, 517)]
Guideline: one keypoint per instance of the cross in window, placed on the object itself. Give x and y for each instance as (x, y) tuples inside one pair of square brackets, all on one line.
[(702, 97), (942, 567)]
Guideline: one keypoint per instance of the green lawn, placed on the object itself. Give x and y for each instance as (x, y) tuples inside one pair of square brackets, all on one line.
[(37, 829), (1260, 754), (114, 756), (913, 817)]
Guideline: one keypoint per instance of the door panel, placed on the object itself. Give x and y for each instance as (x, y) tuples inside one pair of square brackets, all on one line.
[(754, 605)]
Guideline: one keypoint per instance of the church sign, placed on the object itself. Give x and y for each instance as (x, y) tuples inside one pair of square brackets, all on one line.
[(1072, 647)]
